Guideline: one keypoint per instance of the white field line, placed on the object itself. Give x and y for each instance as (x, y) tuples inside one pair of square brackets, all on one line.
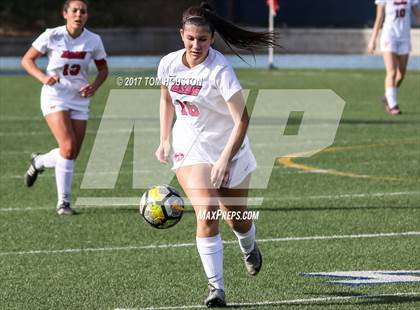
[(106, 173), (6, 152), (352, 195), (103, 173), (134, 201), (115, 202), (183, 245), (343, 143), (252, 201), (91, 117), (281, 170), (287, 302), (39, 118), (12, 118), (88, 132)]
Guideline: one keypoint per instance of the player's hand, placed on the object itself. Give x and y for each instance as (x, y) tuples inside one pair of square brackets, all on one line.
[(219, 173), (371, 47), (162, 152), (51, 80), (87, 91)]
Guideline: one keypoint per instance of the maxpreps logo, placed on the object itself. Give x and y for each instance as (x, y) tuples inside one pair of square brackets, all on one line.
[(359, 278)]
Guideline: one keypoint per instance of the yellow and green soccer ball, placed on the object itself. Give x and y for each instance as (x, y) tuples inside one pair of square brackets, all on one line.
[(162, 206)]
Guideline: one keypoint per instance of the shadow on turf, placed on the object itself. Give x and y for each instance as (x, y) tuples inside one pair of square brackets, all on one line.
[(81, 210), (332, 208), (367, 300), (295, 121), (378, 121)]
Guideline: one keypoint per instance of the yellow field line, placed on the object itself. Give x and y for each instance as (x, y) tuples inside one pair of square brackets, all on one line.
[(287, 161)]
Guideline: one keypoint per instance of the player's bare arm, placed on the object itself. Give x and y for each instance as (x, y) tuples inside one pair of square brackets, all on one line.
[(166, 118), (237, 108), (380, 14), (89, 90), (416, 12), (29, 64)]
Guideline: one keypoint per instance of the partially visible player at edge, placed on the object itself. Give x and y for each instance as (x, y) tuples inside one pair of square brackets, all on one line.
[(65, 93), (395, 43), (211, 154)]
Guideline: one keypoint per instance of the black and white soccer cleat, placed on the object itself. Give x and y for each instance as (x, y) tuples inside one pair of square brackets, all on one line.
[(32, 172), (63, 208), (216, 298), (253, 261)]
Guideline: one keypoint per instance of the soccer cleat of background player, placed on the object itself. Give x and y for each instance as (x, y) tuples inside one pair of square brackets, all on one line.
[(393, 111), (32, 173)]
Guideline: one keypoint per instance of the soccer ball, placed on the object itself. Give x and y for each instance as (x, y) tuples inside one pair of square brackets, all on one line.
[(161, 206)]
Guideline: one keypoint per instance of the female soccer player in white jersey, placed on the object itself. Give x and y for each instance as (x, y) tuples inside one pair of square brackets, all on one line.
[(211, 154), (65, 93), (395, 44)]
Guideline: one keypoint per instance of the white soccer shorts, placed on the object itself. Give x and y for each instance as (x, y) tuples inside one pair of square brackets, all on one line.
[(399, 47)]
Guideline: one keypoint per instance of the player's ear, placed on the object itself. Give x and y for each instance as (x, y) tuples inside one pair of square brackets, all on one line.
[(181, 32)]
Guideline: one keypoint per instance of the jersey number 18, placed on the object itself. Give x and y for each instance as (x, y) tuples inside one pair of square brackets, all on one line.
[(400, 13), (187, 108)]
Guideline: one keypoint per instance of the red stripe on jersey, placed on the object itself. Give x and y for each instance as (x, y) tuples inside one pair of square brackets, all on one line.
[(73, 55), (100, 62), (192, 90), (400, 3)]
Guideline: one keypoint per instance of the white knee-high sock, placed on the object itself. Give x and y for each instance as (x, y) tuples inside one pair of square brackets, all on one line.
[(211, 254), (246, 240), (63, 176), (391, 96), (47, 160)]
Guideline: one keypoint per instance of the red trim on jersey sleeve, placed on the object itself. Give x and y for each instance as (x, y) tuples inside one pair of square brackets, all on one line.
[(100, 63)]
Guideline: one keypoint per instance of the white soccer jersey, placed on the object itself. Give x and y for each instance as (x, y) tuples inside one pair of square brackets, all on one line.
[(203, 121), (397, 22), (69, 59)]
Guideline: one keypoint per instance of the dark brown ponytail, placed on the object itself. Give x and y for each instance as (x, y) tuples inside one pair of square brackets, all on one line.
[(233, 35)]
